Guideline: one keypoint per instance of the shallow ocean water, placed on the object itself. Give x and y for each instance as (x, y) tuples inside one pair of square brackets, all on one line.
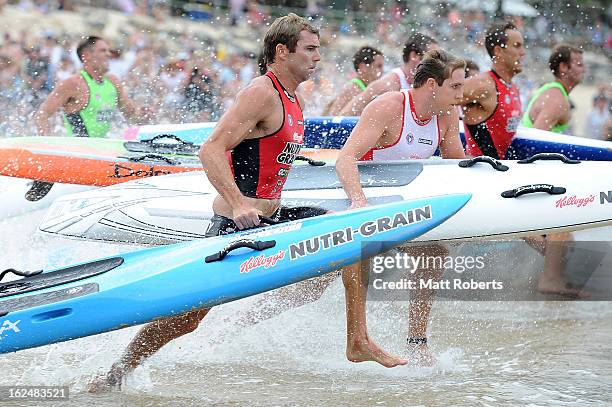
[(489, 353)]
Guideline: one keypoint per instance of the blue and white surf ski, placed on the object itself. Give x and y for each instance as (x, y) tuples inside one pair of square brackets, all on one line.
[(137, 287), (332, 132)]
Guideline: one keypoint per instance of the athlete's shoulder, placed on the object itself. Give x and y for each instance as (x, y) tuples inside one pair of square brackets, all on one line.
[(389, 102), (478, 87), (72, 85), (390, 78), (114, 79), (260, 89), (482, 81)]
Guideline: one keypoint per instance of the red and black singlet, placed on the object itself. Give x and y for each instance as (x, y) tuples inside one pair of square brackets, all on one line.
[(493, 136), (261, 166)]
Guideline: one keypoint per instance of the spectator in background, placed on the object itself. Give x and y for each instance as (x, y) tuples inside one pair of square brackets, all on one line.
[(35, 75), (171, 75), (256, 17), (237, 8), (64, 70), (200, 93), (598, 118)]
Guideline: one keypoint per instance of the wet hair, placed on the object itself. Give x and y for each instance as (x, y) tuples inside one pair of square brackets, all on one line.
[(261, 63), (285, 30), (86, 44), (365, 55), (561, 53), (497, 36), (470, 67), (418, 44), (437, 64)]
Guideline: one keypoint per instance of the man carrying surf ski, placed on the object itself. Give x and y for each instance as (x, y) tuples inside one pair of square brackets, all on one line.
[(404, 125), (247, 159), (550, 109)]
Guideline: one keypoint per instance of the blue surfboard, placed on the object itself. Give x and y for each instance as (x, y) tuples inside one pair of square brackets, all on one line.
[(141, 286)]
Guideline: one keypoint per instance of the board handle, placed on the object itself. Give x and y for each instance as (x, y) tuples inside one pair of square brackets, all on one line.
[(258, 245), (158, 157), (179, 140), (530, 189), (315, 163), (38, 190), (548, 157), (497, 165), (19, 273), (268, 221)]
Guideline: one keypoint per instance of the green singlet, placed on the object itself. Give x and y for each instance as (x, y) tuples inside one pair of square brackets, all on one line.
[(94, 119), (526, 120), (359, 83)]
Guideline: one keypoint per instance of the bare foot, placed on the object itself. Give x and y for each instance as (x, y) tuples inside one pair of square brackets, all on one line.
[(366, 350), (419, 355), (560, 287), (104, 383)]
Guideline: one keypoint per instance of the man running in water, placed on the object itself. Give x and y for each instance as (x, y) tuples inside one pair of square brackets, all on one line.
[(248, 158), (368, 63), (396, 80), (410, 124), (90, 98), (492, 102), (550, 109)]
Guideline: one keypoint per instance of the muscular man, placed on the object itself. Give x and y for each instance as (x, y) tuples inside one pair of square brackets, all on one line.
[(550, 109), (492, 102), (89, 98), (396, 80), (410, 124), (243, 162), (368, 63)]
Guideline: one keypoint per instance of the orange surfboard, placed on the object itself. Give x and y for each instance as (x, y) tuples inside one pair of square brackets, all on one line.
[(99, 162)]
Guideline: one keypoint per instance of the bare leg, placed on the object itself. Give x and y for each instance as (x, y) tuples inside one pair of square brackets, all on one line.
[(284, 298), (149, 340), (538, 243), (420, 304), (359, 346), (551, 280)]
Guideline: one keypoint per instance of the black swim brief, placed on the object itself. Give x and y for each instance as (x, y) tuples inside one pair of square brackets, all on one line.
[(220, 225)]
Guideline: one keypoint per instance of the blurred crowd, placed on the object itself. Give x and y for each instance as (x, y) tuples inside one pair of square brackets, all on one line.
[(185, 78)]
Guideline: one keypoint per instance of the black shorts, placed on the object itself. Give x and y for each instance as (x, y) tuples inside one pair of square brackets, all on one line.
[(220, 225)]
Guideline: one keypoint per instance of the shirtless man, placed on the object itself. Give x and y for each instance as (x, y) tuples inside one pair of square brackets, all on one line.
[(550, 109), (368, 63), (243, 163), (90, 98), (396, 80), (404, 125)]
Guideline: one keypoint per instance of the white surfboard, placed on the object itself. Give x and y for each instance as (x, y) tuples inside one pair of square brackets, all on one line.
[(176, 208)]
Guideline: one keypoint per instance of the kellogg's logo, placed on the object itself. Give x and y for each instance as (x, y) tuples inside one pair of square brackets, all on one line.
[(261, 261), (573, 201)]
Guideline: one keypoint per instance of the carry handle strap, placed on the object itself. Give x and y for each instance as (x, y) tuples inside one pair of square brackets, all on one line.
[(158, 157), (548, 157), (310, 161), (19, 273), (530, 189), (497, 165), (179, 140), (258, 245)]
